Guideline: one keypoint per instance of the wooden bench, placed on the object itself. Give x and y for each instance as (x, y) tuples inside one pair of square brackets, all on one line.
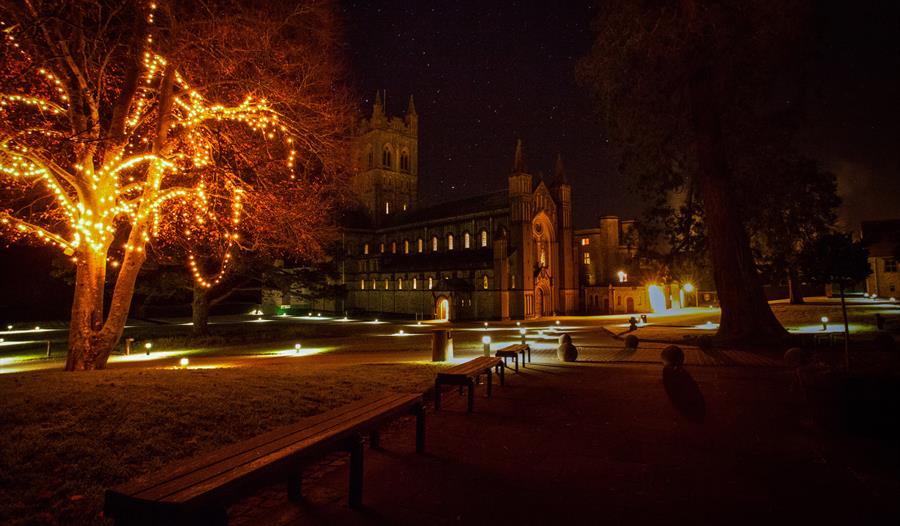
[(467, 374), (513, 351), (197, 491)]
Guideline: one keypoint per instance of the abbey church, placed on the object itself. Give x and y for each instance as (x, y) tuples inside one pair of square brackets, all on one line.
[(503, 255)]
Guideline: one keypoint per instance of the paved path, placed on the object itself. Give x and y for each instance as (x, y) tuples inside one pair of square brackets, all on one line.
[(610, 444)]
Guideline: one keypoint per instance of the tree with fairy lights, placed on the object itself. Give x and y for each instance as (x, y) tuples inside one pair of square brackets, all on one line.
[(127, 127)]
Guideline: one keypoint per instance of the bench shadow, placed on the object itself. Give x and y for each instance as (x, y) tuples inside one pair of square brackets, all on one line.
[(684, 393)]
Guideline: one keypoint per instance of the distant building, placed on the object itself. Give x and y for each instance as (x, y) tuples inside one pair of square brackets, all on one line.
[(608, 268), (882, 239), (507, 254)]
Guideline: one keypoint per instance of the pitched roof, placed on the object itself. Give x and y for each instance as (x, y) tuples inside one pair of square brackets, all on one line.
[(450, 209)]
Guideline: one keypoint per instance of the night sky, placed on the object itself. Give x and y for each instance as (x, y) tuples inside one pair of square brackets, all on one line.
[(486, 73)]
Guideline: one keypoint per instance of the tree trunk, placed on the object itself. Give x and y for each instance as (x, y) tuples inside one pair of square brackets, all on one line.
[(746, 316), (200, 311), (794, 292), (85, 345)]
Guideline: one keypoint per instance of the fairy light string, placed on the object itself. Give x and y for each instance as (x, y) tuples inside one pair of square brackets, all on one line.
[(133, 186)]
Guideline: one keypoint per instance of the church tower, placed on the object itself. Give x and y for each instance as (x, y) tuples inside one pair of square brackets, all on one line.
[(568, 284), (520, 212), (386, 161)]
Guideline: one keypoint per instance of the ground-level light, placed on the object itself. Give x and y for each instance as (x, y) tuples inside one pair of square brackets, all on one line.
[(9, 327), (148, 346), (486, 340), (522, 332), (824, 321), (183, 362), (297, 347)]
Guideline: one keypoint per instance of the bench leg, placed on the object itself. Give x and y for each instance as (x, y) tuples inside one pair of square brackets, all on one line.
[(516, 358), (420, 428), (295, 486), (437, 395), (490, 380), (503, 377), (529, 353), (374, 439), (471, 394), (356, 471)]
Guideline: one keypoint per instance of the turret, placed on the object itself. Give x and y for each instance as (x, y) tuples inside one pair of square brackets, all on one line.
[(412, 118)]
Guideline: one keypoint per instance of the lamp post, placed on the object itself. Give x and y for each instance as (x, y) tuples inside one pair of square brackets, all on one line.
[(486, 340), (148, 346), (522, 332), (824, 321)]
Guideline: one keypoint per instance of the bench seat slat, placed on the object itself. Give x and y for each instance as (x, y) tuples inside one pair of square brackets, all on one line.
[(256, 464), (160, 485)]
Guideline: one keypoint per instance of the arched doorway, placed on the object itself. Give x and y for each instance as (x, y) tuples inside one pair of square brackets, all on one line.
[(442, 309), (629, 305)]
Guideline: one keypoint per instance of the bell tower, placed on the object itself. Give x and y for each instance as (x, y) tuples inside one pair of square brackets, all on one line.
[(386, 161)]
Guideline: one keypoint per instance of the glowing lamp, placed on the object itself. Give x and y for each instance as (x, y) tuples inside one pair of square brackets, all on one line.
[(37, 327), (9, 327), (485, 325), (522, 331), (486, 340), (148, 346), (183, 362), (518, 324), (376, 320), (824, 321), (401, 332), (689, 287), (297, 347), (557, 322)]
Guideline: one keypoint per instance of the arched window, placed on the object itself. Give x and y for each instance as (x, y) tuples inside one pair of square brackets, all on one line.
[(373, 283), (512, 281), (467, 240), (386, 284), (387, 207), (393, 247), (399, 283), (434, 244), (406, 246), (415, 283), (366, 249), (362, 284), (371, 159), (381, 248), (449, 241), (430, 283), (484, 240), (484, 282), (386, 157), (404, 161)]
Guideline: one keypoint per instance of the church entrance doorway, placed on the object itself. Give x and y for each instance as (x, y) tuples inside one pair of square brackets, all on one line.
[(442, 309), (542, 301), (629, 305)]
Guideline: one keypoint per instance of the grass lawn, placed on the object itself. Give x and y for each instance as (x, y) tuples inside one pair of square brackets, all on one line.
[(65, 437)]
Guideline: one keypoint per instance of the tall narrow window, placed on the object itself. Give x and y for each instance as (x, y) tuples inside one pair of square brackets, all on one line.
[(381, 248), (420, 245), (393, 247), (890, 265), (512, 281), (484, 282), (404, 161), (449, 241), (467, 242), (386, 157), (406, 246), (386, 286), (483, 238), (430, 283), (371, 159), (585, 241), (366, 249), (587, 258), (434, 244), (415, 283), (373, 283), (399, 283), (362, 284), (387, 207)]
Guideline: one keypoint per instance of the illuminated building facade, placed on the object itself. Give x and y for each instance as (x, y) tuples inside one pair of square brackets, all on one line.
[(503, 255), (882, 239)]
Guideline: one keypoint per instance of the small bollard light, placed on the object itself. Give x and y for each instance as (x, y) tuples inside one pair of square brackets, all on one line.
[(48, 348), (486, 340), (643, 318), (557, 322), (297, 347), (183, 362), (376, 320), (9, 327), (37, 327), (518, 324), (824, 323), (522, 332), (485, 325), (148, 346), (401, 332)]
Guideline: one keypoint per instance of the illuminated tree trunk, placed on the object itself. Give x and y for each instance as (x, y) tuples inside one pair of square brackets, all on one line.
[(87, 311), (746, 316), (795, 294), (200, 311)]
